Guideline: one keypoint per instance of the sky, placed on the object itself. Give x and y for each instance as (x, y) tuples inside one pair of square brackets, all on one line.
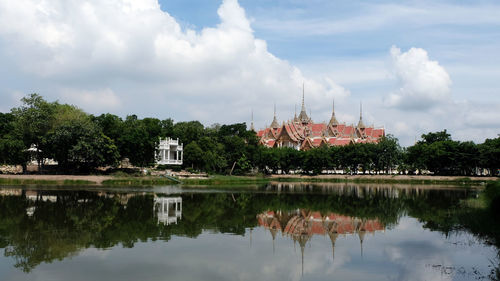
[(416, 66)]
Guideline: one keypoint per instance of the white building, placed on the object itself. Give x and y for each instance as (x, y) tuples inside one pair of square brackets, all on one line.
[(169, 152)]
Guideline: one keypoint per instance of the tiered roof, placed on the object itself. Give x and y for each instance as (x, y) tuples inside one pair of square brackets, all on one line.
[(302, 133)]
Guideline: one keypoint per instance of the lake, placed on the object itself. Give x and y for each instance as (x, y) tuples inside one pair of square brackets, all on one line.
[(276, 231)]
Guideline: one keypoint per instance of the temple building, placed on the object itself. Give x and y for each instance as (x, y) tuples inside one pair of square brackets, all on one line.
[(302, 133)]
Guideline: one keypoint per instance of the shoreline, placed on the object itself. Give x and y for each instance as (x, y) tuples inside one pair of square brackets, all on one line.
[(98, 180)]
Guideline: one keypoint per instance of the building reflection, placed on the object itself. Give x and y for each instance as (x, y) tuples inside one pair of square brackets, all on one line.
[(168, 210), (301, 225)]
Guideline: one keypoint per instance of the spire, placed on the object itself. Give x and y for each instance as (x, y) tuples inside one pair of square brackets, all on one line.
[(273, 234), (252, 128), (303, 115), (302, 242), (303, 93), (295, 119), (361, 235), (275, 124), (360, 123), (333, 238), (333, 120)]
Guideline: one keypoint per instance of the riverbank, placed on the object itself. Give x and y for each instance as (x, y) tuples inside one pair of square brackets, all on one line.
[(408, 179), (218, 179), (81, 180)]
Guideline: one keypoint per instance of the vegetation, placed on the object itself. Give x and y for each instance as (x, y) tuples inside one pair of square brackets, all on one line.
[(21, 181), (137, 181), (81, 142)]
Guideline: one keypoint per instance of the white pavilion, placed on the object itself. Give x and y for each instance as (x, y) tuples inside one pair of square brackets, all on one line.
[(169, 152)]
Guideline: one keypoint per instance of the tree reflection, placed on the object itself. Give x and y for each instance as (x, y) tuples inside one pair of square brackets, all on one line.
[(45, 226)]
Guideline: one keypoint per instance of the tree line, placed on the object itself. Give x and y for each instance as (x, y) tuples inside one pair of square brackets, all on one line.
[(79, 141)]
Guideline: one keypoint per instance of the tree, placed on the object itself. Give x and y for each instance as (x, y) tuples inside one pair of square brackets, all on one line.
[(489, 155), (467, 158), (193, 155), (33, 121), (12, 150), (139, 140), (167, 128), (111, 125), (76, 142), (188, 131), (430, 138), (387, 153), (316, 160)]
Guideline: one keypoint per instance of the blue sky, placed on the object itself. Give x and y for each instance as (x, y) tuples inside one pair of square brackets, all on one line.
[(417, 66)]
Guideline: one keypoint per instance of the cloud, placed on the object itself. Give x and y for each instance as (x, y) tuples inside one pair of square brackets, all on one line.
[(98, 100), (129, 57), (423, 82), (369, 17)]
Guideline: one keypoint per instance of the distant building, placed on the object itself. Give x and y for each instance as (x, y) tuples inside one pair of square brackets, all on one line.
[(169, 152), (302, 133)]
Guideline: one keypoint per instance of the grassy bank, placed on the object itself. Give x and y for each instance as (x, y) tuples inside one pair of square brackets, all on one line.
[(219, 179), (138, 181), (236, 180), (25, 181)]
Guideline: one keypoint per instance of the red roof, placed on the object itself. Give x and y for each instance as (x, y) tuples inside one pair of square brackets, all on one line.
[(270, 143), (317, 129), (377, 133), (317, 141), (343, 141), (348, 130)]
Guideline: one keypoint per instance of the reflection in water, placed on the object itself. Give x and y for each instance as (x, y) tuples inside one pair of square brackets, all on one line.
[(42, 227), (300, 225), (169, 209), (364, 190)]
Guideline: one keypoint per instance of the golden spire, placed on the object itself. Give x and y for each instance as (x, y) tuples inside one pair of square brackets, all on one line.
[(333, 238), (361, 235), (252, 128), (295, 119), (275, 124), (360, 123), (333, 120), (303, 115)]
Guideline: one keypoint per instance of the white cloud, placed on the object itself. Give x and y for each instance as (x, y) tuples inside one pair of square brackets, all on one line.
[(130, 57), (423, 82), (371, 16), (96, 101), (139, 57)]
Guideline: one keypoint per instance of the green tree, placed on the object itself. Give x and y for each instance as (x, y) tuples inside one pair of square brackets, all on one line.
[(12, 149), (188, 131), (76, 142), (489, 155), (467, 158), (316, 160), (193, 155), (430, 138), (387, 153), (139, 140), (111, 125), (33, 121)]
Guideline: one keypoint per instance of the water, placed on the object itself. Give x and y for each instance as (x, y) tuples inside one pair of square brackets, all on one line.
[(271, 232)]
